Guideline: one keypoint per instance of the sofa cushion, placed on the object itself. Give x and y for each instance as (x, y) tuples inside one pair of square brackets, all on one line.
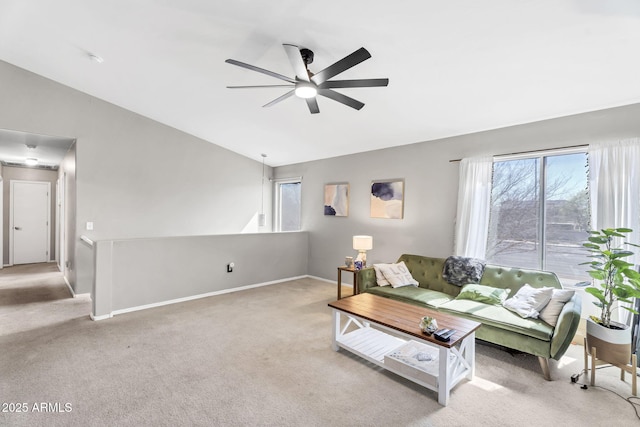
[(515, 278), (428, 272), (498, 317), (412, 295), (380, 279), (397, 274), (552, 311), (528, 301), (485, 294)]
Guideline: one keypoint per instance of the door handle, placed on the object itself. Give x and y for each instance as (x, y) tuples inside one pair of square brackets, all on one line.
[(17, 228)]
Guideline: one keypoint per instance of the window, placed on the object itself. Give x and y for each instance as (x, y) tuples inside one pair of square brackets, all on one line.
[(287, 204), (540, 214)]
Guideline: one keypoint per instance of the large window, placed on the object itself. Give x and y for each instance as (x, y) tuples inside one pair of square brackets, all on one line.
[(540, 214), (287, 204)]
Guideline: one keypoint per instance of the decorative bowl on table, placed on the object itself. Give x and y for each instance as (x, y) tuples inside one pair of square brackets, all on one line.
[(428, 325)]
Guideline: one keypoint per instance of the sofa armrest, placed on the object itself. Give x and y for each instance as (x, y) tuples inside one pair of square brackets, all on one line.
[(366, 278), (566, 327)]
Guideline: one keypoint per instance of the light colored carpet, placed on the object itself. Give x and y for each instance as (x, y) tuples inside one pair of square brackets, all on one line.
[(260, 357)]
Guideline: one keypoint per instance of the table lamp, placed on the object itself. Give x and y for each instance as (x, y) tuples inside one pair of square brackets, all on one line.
[(362, 244)]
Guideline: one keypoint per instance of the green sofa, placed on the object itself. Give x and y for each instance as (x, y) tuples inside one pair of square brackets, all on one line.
[(499, 325)]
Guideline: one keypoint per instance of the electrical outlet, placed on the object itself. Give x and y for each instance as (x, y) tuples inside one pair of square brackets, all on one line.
[(230, 267)]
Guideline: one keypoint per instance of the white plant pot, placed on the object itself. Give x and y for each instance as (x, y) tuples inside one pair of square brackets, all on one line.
[(612, 345)]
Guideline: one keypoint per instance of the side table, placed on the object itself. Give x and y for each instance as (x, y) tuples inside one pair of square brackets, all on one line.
[(355, 279)]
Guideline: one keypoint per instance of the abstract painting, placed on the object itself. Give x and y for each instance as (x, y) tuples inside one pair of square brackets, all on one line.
[(336, 199), (387, 199)]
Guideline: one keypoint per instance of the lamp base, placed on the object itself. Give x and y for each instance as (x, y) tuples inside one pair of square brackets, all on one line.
[(362, 256)]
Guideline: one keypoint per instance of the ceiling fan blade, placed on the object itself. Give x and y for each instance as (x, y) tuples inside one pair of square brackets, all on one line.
[(280, 98), (261, 86), (293, 52), (334, 84), (343, 99), (260, 70), (312, 103), (344, 64)]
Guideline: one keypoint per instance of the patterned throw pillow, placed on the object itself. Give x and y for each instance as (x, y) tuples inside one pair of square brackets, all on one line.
[(398, 275), (459, 270)]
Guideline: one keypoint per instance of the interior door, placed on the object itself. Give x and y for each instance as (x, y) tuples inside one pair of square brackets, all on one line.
[(30, 208)]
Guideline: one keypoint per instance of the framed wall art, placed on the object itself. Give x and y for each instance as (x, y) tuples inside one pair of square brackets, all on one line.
[(336, 199), (387, 199)]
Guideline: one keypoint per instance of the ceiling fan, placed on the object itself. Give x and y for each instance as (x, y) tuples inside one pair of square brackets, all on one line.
[(308, 85)]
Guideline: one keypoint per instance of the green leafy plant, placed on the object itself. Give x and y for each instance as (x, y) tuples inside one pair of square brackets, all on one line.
[(616, 280)]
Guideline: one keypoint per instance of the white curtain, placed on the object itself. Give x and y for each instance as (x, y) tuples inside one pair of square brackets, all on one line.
[(474, 206), (614, 190)]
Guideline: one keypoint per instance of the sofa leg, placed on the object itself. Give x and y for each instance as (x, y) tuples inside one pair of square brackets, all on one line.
[(544, 364)]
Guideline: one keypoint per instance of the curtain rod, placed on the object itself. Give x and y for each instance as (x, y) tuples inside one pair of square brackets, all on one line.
[(532, 151)]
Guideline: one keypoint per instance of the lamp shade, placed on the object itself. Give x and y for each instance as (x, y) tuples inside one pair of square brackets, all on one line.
[(362, 243)]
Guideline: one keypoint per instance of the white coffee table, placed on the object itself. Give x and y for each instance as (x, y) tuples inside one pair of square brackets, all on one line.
[(375, 327)]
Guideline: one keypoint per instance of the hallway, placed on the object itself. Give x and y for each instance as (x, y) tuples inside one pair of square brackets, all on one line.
[(36, 295)]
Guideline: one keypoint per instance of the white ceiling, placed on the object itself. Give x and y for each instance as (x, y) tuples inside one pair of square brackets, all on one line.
[(454, 67)]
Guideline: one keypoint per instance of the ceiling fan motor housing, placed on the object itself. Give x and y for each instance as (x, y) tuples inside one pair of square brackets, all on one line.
[(307, 55)]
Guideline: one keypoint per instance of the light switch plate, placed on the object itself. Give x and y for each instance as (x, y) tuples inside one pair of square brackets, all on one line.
[(89, 225)]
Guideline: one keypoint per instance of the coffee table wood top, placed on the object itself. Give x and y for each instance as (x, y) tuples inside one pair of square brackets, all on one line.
[(404, 317)]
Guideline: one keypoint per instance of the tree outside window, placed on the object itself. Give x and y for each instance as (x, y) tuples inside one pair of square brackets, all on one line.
[(540, 214)]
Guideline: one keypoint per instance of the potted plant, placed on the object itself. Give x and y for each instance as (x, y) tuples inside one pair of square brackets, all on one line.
[(615, 281)]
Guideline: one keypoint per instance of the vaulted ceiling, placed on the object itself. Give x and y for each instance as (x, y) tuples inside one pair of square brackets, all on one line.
[(454, 67)]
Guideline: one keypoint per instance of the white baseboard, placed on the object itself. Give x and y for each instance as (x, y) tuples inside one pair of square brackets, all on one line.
[(322, 279), (192, 297), (96, 318), (73, 294)]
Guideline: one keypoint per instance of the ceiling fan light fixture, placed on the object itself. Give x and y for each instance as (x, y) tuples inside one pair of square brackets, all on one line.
[(307, 85), (306, 90)]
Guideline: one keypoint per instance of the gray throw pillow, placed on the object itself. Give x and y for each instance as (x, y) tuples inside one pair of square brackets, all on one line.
[(460, 270)]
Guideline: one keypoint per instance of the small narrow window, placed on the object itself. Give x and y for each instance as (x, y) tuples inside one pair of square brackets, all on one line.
[(288, 195)]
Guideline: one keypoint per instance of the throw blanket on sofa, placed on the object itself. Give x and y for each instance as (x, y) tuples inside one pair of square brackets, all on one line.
[(460, 270)]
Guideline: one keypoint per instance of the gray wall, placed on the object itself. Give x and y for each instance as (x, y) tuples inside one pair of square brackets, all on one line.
[(67, 175), (431, 185), (137, 272), (134, 177), (138, 178), (27, 174)]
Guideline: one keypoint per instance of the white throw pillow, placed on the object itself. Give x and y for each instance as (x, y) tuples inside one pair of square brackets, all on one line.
[(380, 279), (528, 301), (552, 311), (398, 275)]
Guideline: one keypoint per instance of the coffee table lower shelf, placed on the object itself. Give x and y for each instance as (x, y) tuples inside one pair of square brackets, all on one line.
[(379, 344)]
